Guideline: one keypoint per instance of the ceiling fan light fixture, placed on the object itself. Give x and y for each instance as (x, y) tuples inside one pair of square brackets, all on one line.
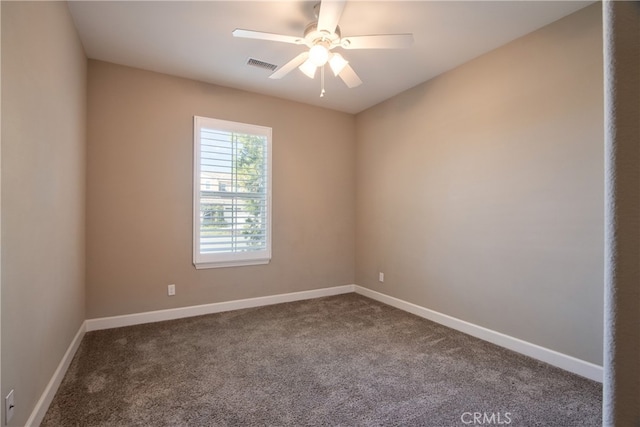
[(319, 54), (337, 63), (321, 36), (308, 68)]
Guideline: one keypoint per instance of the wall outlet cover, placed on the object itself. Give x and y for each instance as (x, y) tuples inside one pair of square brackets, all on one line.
[(171, 290)]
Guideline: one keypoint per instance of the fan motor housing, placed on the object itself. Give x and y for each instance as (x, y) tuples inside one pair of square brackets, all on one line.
[(313, 36)]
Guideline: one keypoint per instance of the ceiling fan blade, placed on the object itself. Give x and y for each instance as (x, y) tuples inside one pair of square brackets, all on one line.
[(349, 77), (330, 12), (286, 68), (250, 34), (382, 41)]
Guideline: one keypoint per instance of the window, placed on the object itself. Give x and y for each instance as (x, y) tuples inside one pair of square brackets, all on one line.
[(232, 194)]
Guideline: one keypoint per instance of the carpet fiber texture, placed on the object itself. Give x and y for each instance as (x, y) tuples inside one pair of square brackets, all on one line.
[(343, 360)]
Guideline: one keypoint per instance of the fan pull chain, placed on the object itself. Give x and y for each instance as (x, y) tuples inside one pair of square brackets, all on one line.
[(322, 82)]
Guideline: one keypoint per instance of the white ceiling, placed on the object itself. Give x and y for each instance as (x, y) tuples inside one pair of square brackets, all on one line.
[(193, 40)]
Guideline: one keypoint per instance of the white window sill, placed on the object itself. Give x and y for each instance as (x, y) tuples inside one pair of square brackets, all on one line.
[(234, 263)]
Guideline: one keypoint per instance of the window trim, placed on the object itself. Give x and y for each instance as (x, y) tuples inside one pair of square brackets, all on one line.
[(228, 259)]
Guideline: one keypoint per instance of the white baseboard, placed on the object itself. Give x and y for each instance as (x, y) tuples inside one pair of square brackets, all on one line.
[(552, 357), (198, 310), (40, 410)]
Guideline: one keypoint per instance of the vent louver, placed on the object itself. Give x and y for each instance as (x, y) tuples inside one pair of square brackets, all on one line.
[(261, 64)]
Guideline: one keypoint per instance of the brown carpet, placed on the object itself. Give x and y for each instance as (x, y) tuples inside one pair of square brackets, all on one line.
[(343, 360)]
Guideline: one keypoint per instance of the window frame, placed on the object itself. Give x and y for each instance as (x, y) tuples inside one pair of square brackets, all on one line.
[(228, 259)]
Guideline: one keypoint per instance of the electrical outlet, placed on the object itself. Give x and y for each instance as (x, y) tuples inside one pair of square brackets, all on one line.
[(171, 290), (9, 407), (381, 277)]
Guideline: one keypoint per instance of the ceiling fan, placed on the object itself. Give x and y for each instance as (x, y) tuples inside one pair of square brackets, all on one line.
[(321, 37)]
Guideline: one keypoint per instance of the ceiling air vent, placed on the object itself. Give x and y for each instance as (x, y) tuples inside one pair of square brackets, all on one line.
[(261, 64)]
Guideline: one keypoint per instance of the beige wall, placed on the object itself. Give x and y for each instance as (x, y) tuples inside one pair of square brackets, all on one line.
[(621, 387), (43, 195), (480, 193), (139, 193)]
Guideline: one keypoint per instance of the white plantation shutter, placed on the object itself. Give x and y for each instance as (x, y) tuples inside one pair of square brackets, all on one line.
[(232, 194)]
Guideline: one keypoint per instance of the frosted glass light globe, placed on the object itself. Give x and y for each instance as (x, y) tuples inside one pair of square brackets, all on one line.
[(319, 55)]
